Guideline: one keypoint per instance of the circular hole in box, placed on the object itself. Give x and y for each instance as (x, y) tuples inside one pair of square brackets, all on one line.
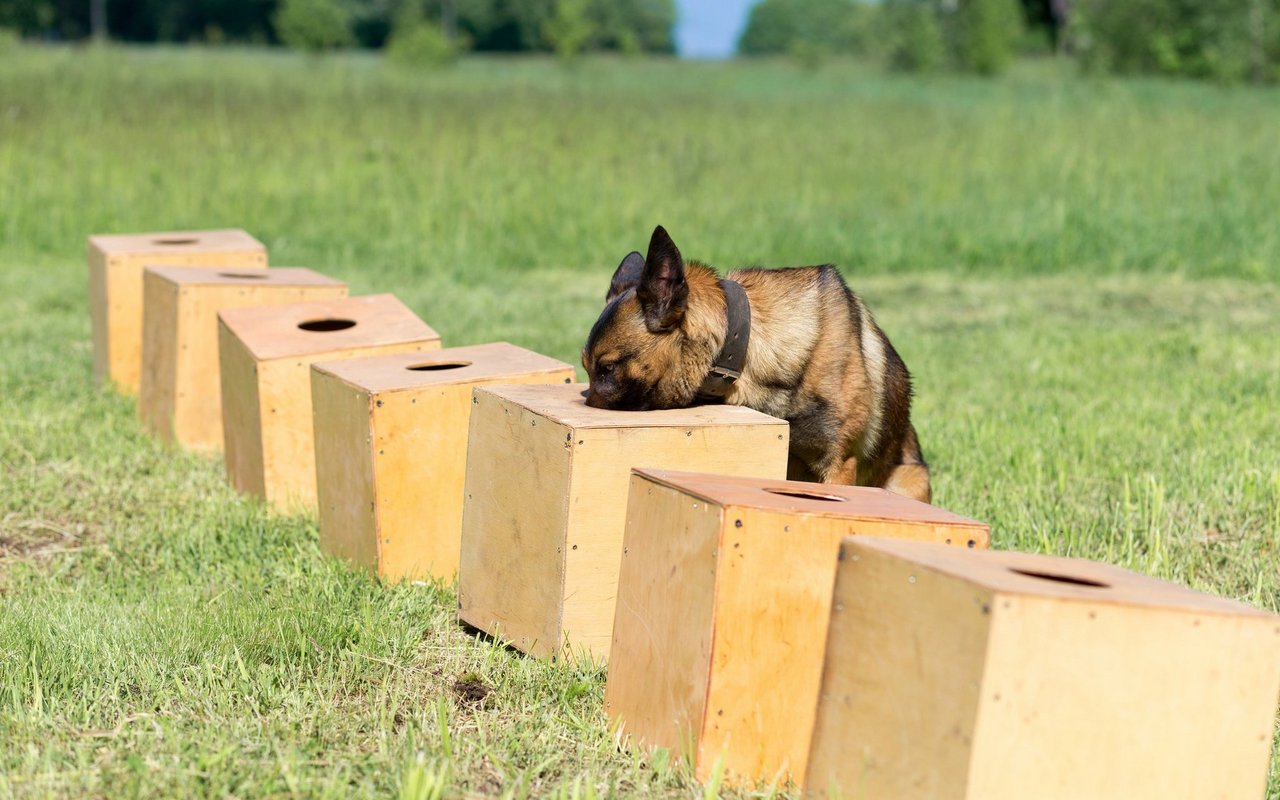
[(433, 366), (1059, 578), (807, 495), (242, 276), (326, 325), (175, 241)]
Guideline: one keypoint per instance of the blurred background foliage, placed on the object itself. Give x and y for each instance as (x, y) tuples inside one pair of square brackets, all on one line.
[(1227, 40), (1224, 40), (485, 25)]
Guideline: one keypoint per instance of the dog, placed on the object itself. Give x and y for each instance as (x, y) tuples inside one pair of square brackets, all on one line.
[(793, 343)]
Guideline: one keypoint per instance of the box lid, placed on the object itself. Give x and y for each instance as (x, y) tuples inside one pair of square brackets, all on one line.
[(176, 242), (455, 365), (1056, 577), (326, 326), (235, 276), (566, 404), (819, 499)]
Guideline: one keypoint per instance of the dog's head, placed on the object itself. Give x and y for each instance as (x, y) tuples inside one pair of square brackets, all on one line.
[(636, 356)]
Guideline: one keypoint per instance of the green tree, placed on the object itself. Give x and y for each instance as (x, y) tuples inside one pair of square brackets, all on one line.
[(414, 42), (633, 25), (569, 29), (813, 26), (314, 25), (1220, 39), (1267, 33), (506, 24), (770, 28), (26, 15), (913, 38), (987, 34)]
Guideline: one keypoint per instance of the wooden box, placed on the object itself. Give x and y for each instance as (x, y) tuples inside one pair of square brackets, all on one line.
[(115, 287), (266, 356), (391, 451), (723, 601), (180, 395), (546, 488), (1006, 676)]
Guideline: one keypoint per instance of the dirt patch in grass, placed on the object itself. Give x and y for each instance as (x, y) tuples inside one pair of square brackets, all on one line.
[(24, 539), (471, 690), (486, 780)]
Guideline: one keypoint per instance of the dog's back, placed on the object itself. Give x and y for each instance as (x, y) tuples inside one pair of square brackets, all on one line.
[(819, 359)]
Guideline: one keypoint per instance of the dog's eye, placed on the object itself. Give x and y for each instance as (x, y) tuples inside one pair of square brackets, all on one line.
[(606, 369)]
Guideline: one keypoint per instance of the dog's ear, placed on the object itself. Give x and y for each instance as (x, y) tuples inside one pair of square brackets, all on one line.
[(626, 276), (662, 290)]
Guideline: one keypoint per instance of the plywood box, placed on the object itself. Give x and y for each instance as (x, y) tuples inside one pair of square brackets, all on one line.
[(115, 287), (180, 396), (723, 602), (546, 502), (391, 451), (1006, 676), (266, 356)]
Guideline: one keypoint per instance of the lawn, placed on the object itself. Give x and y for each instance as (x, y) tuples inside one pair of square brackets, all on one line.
[(1084, 277)]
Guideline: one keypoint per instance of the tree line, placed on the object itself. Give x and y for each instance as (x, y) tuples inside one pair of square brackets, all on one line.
[(486, 25), (1228, 40)]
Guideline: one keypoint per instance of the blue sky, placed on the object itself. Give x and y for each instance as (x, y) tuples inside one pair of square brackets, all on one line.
[(710, 28)]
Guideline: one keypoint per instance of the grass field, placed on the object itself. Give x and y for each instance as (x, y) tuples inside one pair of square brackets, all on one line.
[(1083, 276)]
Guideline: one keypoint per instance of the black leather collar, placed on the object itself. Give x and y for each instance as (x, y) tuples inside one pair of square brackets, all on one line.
[(727, 367)]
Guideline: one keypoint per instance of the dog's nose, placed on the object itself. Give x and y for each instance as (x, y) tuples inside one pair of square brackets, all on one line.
[(594, 400)]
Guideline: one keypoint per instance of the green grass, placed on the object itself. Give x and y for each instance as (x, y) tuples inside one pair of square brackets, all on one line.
[(1083, 276)]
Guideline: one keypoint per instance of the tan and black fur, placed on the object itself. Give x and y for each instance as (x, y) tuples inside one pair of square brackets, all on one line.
[(815, 358)]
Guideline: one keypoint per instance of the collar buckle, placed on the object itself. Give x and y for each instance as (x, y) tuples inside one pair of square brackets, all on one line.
[(729, 376)]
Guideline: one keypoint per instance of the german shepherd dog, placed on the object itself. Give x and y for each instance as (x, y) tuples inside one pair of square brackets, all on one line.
[(814, 356)]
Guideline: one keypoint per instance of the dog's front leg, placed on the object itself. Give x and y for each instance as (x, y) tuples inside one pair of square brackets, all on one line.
[(845, 472)]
